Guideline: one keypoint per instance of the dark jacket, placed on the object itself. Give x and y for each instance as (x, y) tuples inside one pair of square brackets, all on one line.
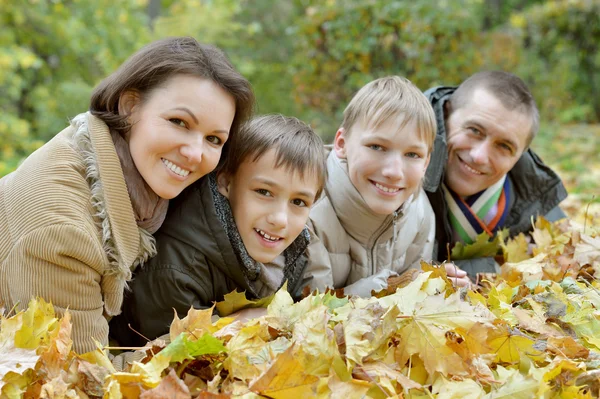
[(536, 189), (200, 258)]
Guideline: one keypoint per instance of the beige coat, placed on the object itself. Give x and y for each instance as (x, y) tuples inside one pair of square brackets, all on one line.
[(68, 232), (350, 242)]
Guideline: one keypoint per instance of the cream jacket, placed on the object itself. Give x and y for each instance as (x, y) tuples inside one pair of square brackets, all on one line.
[(350, 242), (68, 232)]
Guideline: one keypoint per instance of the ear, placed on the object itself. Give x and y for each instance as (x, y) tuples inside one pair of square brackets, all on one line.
[(223, 182), (339, 143), (128, 101)]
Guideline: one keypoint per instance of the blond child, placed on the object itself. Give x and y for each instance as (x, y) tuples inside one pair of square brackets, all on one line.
[(242, 228), (374, 219)]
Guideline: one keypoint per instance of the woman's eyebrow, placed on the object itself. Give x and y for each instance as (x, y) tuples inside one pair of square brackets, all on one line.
[(184, 109)]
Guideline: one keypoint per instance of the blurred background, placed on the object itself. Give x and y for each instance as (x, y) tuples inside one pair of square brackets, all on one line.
[(307, 58)]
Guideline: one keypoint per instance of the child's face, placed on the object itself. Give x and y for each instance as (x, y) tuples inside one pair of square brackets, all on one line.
[(386, 165), (270, 205)]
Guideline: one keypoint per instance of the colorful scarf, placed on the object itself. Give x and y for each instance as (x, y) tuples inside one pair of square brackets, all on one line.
[(485, 211)]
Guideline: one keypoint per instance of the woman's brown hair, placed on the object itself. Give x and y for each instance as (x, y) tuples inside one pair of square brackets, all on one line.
[(155, 63)]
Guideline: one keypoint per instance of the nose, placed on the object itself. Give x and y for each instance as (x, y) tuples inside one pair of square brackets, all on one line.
[(480, 153), (392, 168), (278, 217), (193, 151)]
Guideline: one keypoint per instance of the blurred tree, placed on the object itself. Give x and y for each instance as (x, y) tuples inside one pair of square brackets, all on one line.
[(51, 56), (343, 44), (565, 35)]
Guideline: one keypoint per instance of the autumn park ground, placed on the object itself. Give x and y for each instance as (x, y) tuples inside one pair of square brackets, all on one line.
[(573, 151)]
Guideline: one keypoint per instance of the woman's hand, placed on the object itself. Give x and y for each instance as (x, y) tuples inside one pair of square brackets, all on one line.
[(458, 277)]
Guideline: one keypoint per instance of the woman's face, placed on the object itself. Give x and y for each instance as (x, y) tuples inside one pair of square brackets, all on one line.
[(178, 132)]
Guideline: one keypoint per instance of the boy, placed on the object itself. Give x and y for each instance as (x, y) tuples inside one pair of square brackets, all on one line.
[(374, 220), (242, 228)]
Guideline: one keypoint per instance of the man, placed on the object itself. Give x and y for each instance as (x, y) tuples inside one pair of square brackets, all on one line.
[(482, 175)]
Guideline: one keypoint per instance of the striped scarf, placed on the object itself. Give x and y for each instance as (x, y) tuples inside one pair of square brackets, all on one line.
[(485, 211)]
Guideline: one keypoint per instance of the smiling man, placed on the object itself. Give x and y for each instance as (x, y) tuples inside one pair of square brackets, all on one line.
[(482, 176)]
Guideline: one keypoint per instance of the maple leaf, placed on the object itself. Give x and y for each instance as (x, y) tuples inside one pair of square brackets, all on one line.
[(285, 378), (15, 360), (529, 269), (424, 332), (351, 389), (468, 389), (567, 347), (197, 322), (367, 329), (510, 344), (515, 249), (514, 385), (235, 301), (483, 246), (587, 252), (36, 323), (170, 387)]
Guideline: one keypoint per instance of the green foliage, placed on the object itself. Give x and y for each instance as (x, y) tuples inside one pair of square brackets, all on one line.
[(565, 36), (51, 56)]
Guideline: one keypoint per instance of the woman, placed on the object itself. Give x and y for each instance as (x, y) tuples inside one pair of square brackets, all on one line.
[(77, 216)]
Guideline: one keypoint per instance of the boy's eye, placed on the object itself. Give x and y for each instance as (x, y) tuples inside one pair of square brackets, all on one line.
[(375, 147), (299, 202), (264, 192), (413, 155), (214, 140), (178, 122)]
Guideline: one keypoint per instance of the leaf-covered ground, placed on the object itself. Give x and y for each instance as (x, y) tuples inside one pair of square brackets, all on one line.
[(573, 151), (532, 332)]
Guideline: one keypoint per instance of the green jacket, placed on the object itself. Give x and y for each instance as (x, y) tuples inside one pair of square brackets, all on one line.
[(200, 258), (537, 189)]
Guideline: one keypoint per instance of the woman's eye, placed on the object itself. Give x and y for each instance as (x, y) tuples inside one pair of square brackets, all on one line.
[(413, 155), (178, 122), (299, 202), (264, 192), (214, 139), (506, 147), (375, 147)]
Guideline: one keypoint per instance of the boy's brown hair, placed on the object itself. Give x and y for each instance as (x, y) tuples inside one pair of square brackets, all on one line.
[(297, 147), (391, 97)]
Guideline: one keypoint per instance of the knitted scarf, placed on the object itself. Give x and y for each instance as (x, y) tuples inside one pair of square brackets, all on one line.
[(149, 209), (485, 211)]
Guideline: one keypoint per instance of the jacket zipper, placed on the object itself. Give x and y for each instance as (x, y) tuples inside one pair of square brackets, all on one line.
[(394, 218)]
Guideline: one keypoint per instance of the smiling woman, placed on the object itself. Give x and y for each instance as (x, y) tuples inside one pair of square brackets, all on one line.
[(76, 217)]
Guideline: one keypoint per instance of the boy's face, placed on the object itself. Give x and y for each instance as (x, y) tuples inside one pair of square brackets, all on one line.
[(386, 165), (270, 205)]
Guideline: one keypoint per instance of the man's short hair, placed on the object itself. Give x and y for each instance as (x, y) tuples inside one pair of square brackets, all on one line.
[(509, 89), (391, 97), (297, 147)]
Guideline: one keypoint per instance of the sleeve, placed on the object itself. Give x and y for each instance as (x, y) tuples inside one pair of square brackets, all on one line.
[(422, 246), (156, 293), (555, 214), (318, 273), (62, 264), (478, 265)]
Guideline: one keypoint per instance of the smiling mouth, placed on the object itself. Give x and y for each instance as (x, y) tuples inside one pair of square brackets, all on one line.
[(174, 168), (470, 169), (386, 189), (267, 236)]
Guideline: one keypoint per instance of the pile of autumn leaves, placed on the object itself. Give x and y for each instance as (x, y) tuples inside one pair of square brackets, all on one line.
[(532, 332)]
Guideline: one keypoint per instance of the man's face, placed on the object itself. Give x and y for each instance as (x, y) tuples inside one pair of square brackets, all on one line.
[(270, 204), (387, 164), (485, 140)]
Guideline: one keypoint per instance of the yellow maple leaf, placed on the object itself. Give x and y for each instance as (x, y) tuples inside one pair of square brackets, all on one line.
[(197, 322), (285, 378), (235, 301)]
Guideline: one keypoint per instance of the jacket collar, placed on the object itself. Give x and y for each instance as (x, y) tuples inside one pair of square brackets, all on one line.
[(355, 216), (438, 96), (125, 243)]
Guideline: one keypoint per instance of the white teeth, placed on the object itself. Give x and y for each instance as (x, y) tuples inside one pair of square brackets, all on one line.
[(472, 170), (175, 169), (265, 235), (387, 190)]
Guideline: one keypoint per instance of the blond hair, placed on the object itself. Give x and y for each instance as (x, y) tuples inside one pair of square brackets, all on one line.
[(390, 97), (297, 147)]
